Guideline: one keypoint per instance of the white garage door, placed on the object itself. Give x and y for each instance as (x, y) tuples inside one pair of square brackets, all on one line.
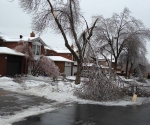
[(68, 70)]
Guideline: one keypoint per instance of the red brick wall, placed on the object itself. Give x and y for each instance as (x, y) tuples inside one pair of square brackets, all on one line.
[(65, 55), (1, 42), (50, 51), (42, 50), (10, 44), (3, 64), (68, 56)]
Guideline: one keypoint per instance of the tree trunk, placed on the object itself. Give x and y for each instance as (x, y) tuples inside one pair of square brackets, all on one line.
[(78, 75), (127, 63), (115, 66), (130, 70)]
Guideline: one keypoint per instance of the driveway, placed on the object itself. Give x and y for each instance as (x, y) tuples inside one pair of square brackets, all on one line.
[(11, 102)]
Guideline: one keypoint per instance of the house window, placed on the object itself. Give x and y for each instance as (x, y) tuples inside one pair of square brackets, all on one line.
[(33, 49), (36, 49)]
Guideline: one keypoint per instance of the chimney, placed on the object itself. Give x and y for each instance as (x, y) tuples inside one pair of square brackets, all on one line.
[(32, 34), (21, 36)]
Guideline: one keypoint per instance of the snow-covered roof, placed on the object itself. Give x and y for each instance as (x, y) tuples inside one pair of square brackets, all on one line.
[(61, 50), (5, 50), (59, 59), (7, 38), (47, 47)]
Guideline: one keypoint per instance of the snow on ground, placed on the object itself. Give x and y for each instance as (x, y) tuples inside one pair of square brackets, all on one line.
[(9, 84), (61, 91)]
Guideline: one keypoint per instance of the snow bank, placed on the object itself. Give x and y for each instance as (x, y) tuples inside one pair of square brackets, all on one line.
[(8, 84), (60, 91), (125, 102)]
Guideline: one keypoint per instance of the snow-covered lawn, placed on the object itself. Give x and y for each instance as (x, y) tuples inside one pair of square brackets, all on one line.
[(60, 91)]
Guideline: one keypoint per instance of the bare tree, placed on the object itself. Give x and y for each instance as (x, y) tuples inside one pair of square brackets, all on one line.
[(134, 54), (97, 85), (113, 33), (64, 17)]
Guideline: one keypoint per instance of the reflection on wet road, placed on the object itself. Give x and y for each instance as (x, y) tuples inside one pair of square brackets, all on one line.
[(92, 115)]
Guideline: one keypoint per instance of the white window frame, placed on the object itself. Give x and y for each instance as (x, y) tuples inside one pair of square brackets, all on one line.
[(35, 48)]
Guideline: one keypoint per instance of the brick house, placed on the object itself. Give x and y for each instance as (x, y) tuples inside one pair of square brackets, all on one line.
[(62, 58), (39, 48), (36, 43), (11, 60), (64, 64)]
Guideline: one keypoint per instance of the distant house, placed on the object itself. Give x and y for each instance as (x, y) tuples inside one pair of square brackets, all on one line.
[(109, 61), (17, 61), (36, 43), (65, 65)]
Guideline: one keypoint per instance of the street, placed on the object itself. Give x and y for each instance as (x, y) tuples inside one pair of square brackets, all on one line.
[(88, 114)]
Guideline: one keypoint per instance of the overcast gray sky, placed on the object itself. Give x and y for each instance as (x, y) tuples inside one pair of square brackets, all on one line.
[(15, 22)]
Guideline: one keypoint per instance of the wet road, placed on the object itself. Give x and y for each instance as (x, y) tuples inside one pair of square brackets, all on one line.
[(11, 102), (93, 115)]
